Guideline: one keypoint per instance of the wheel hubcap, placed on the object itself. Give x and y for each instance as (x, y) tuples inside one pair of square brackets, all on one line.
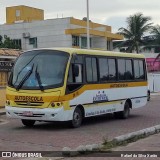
[(76, 118)]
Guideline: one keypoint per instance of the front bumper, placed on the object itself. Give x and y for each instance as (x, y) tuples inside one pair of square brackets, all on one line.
[(46, 114)]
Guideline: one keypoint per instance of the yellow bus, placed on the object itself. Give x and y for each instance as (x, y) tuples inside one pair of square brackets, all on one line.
[(66, 84)]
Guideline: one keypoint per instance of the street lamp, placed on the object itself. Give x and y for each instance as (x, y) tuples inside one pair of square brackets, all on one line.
[(88, 38)]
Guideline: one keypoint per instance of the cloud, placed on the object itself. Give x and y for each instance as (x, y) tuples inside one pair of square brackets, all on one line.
[(116, 22)]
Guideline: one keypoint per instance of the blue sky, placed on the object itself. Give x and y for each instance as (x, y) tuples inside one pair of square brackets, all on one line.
[(107, 12)]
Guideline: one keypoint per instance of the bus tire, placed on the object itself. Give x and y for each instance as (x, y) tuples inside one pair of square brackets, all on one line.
[(125, 113), (28, 123), (77, 118)]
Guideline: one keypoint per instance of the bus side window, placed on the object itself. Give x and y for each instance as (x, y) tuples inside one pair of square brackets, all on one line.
[(75, 77), (91, 70), (139, 72), (78, 77), (70, 75), (112, 69)]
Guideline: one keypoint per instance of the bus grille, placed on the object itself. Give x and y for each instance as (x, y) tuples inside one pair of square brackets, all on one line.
[(29, 103), (34, 115)]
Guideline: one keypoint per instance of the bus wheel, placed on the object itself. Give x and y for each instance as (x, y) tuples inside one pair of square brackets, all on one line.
[(148, 96), (123, 114), (77, 118), (28, 123)]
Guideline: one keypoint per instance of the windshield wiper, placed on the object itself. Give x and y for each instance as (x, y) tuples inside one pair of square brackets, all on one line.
[(39, 79), (23, 68), (24, 78)]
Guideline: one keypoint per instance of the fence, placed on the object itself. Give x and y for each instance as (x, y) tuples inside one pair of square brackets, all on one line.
[(154, 82)]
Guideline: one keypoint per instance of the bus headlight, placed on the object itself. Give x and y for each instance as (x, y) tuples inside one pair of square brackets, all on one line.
[(56, 104), (53, 104)]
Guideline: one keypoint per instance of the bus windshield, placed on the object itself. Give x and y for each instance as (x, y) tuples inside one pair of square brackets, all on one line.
[(39, 69)]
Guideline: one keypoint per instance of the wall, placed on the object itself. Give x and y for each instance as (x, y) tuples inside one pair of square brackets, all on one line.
[(2, 97), (154, 82), (25, 13), (49, 33), (99, 43)]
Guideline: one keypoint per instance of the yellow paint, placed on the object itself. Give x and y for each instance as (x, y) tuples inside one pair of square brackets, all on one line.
[(94, 29), (26, 14), (80, 31), (98, 52), (2, 97), (99, 86), (92, 25), (55, 97)]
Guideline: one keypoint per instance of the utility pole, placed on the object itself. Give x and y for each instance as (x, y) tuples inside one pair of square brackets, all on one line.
[(88, 36)]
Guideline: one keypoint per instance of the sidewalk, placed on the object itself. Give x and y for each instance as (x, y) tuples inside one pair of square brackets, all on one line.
[(2, 111), (144, 148), (151, 143)]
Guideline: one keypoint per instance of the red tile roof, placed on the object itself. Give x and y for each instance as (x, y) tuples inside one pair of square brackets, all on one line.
[(9, 52)]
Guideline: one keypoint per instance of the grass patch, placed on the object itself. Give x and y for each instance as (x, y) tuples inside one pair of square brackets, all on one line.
[(108, 145)]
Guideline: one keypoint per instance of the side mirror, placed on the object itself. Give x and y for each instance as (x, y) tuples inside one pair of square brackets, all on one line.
[(75, 70)]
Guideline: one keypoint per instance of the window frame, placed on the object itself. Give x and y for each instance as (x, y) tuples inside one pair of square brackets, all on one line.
[(126, 80), (96, 57), (144, 69)]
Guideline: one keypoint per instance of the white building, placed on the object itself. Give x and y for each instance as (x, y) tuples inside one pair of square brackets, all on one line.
[(60, 32)]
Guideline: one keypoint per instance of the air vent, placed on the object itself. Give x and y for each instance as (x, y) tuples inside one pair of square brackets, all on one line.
[(26, 35)]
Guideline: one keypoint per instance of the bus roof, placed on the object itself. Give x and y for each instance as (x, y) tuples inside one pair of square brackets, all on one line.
[(96, 52), (100, 52)]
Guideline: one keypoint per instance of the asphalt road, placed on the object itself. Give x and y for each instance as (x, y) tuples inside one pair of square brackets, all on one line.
[(54, 136)]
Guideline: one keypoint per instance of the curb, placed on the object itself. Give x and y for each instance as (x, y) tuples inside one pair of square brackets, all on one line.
[(145, 132), (66, 151), (2, 113), (155, 93), (2, 110)]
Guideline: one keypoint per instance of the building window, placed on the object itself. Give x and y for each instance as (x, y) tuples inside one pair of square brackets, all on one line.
[(17, 43), (84, 42), (109, 45), (18, 13), (33, 41), (75, 40)]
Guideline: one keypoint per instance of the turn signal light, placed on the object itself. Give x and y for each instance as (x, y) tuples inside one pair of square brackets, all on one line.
[(53, 104)]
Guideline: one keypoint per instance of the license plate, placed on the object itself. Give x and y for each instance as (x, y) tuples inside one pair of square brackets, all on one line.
[(27, 113)]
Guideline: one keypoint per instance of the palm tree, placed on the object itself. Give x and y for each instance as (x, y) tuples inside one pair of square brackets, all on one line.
[(156, 32), (137, 26)]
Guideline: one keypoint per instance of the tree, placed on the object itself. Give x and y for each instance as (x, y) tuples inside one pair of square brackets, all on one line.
[(6, 42), (156, 32), (137, 26), (1, 38)]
